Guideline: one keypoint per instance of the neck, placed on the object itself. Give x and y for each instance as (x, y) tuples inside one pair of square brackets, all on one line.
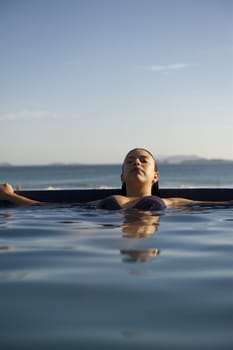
[(135, 192)]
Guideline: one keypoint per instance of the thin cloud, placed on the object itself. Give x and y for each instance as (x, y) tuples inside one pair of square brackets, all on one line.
[(169, 67), (26, 114)]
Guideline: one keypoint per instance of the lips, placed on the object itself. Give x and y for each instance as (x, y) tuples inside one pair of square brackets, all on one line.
[(137, 170)]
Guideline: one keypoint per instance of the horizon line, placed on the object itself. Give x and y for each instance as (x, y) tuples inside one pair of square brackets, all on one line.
[(169, 160)]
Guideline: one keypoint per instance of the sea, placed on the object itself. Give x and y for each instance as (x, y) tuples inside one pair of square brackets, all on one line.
[(76, 277), (207, 174)]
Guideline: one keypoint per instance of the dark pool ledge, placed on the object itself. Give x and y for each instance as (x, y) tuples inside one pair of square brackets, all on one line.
[(87, 195)]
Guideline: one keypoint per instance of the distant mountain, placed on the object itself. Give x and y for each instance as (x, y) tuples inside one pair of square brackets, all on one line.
[(5, 164), (187, 159), (177, 159)]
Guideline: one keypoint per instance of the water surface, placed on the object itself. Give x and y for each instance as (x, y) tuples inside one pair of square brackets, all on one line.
[(80, 278)]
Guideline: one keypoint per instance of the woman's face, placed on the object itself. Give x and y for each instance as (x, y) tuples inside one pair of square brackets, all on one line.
[(139, 166)]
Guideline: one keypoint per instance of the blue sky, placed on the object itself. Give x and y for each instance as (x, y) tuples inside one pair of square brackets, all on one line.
[(87, 80)]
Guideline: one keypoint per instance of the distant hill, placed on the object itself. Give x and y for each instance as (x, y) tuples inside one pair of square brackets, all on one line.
[(5, 164), (193, 159), (177, 159)]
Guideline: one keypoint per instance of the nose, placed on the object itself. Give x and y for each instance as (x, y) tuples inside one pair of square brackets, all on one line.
[(137, 161)]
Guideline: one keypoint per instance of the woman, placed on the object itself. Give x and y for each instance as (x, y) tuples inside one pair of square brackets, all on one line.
[(140, 188)]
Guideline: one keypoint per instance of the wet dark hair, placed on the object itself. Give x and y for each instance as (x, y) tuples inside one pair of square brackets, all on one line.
[(155, 187)]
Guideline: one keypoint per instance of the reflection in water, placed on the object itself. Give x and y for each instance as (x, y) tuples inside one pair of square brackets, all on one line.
[(4, 224), (6, 247), (140, 224), (137, 225), (139, 255)]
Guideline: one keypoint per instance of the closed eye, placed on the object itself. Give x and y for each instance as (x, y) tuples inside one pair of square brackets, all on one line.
[(144, 159)]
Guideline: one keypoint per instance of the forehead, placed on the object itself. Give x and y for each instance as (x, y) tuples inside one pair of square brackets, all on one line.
[(138, 153)]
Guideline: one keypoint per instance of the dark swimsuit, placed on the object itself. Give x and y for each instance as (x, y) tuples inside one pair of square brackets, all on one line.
[(146, 203)]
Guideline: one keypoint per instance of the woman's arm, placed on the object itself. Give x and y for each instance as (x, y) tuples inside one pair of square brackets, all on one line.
[(7, 194), (183, 202), (177, 202)]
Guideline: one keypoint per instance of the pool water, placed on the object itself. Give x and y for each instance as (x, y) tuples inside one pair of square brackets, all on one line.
[(79, 278)]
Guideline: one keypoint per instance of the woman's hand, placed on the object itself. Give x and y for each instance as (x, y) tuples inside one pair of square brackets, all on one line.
[(7, 194), (6, 190)]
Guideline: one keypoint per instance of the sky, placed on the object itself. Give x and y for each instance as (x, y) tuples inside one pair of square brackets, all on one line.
[(84, 81)]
